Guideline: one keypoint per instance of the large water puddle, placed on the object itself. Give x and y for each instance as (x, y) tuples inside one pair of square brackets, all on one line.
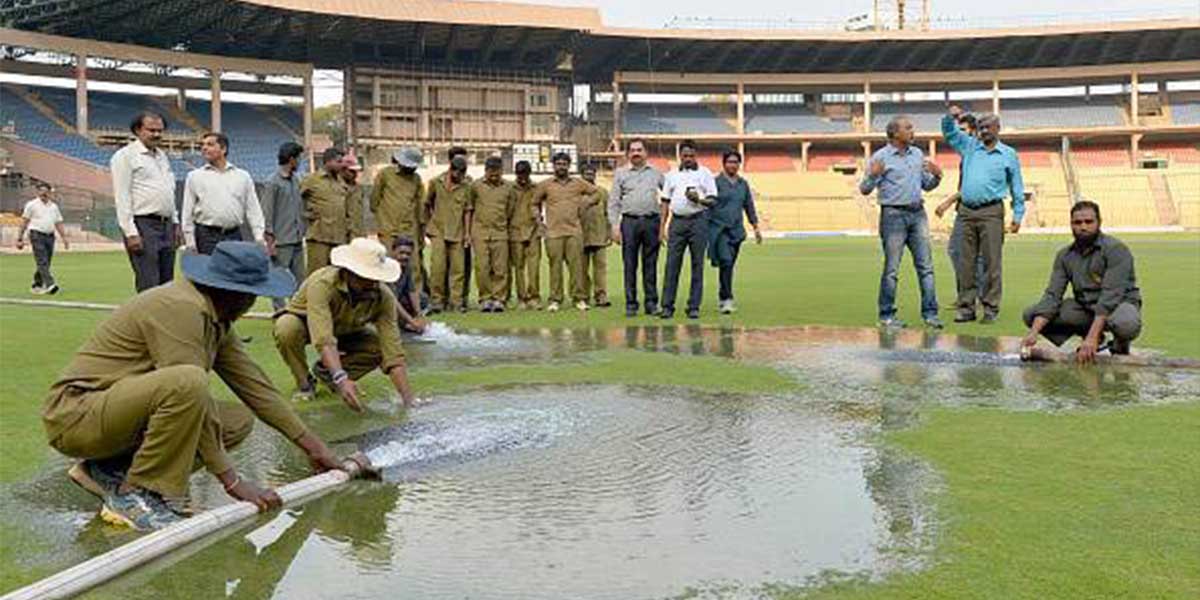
[(609, 491)]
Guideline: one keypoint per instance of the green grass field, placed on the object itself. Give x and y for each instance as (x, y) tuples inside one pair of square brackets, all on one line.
[(1078, 504)]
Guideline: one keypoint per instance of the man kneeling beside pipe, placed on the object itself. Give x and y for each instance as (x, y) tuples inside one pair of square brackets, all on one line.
[(135, 404)]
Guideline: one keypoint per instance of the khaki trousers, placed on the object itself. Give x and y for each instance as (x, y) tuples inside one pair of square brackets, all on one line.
[(446, 272), (491, 267), (166, 419), (525, 270), (595, 273), (317, 255), (359, 350), (569, 249)]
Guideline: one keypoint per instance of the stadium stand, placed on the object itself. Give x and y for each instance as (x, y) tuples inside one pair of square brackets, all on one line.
[(108, 111), (790, 118), (1124, 195), (767, 160), (36, 128), (1184, 186), (1042, 113), (1100, 155), (1186, 112), (673, 118), (926, 116)]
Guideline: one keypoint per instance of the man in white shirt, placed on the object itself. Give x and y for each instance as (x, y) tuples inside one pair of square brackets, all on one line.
[(218, 199), (687, 193), (144, 188), (42, 217)]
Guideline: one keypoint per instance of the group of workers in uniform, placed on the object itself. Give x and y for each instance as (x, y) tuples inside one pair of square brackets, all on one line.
[(134, 405)]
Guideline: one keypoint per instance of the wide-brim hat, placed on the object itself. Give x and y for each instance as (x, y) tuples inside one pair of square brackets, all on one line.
[(239, 267), (367, 258), (408, 157)]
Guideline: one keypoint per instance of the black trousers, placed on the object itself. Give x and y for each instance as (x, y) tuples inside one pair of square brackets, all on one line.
[(725, 274), (639, 240), (690, 234), (43, 253), (155, 264), (207, 237)]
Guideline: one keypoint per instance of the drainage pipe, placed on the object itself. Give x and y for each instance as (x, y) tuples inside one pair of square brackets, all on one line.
[(262, 316), (117, 561)]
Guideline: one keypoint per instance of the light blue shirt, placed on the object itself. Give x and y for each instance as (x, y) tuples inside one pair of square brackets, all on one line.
[(904, 176), (986, 174)]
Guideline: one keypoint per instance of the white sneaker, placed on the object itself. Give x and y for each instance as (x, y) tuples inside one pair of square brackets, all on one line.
[(581, 305), (37, 289), (727, 307), (553, 307)]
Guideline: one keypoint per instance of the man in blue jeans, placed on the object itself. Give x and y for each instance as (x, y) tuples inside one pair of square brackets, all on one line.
[(900, 172)]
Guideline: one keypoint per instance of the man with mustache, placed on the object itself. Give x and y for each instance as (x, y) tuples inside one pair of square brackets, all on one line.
[(1100, 270)]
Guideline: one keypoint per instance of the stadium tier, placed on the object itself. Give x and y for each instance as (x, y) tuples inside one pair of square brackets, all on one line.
[(673, 118), (1186, 112), (791, 118), (255, 131), (34, 127), (1041, 113)]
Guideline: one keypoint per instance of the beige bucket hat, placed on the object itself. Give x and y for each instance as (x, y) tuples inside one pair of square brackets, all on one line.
[(367, 258)]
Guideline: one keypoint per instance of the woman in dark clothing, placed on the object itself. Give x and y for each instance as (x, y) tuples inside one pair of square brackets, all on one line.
[(726, 232)]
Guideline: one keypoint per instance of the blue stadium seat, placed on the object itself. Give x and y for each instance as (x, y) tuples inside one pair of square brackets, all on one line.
[(1040, 113), (790, 118), (1185, 112), (673, 118), (34, 128)]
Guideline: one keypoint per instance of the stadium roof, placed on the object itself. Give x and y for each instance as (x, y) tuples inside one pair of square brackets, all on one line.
[(524, 37)]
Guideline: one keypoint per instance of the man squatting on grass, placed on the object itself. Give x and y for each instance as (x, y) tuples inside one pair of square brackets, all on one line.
[(134, 402), (42, 218), (1099, 269), (349, 316)]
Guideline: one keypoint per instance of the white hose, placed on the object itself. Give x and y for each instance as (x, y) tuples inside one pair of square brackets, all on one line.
[(117, 561), (262, 316)]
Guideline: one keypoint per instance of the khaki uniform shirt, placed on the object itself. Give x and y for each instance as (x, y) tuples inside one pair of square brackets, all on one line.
[(596, 230), (355, 205), (396, 202), (166, 326), (564, 202), (446, 208), (326, 208), (524, 223), (324, 301), (493, 206)]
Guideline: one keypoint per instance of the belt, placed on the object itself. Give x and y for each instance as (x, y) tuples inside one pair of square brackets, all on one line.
[(153, 217), (632, 216), (691, 216), (906, 207), (220, 229), (984, 204)]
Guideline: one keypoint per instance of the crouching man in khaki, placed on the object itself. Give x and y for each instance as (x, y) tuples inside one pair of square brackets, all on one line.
[(135, 404), (344, 312)]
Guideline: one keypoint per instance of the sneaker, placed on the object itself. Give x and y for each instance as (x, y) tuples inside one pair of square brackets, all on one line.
[(726, 307), (535, 304), (989, 318), (486, 306), (964, 317), (497, 307), (140, 509), (553, 307), (582, 305), (891, 323), (934, 323), (1119, 347), (52, 290), (37, 289), (652, 309), (98, 478), (666, 314), (693, 313), (603, 302)]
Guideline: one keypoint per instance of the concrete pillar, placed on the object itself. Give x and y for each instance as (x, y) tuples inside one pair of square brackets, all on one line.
[(804, 146), (81, 94), (1133, 99), (308, 120), (1135, 141), (423, 123), (616, 108), (742, 151), (348, 108), (866, 107), (181, 99), (741, 108), (866, 146), (215, 75), (996, 97), (932, 149), (376, 111)]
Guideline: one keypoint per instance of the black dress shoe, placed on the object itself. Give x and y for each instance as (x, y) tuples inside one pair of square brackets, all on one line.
[(666, 314), (989, 318), (652, 309), (694, 313), (964, 317)]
